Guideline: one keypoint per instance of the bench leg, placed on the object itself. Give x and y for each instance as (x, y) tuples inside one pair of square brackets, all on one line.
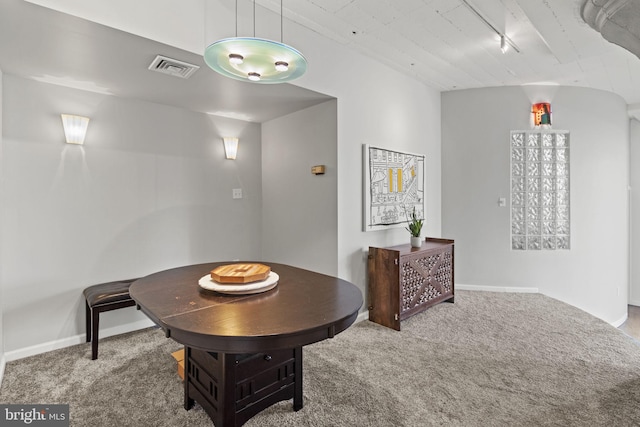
[(87, 317), (95, 320)]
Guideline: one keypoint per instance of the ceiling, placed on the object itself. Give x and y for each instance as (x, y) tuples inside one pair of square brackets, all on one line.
[(53, 47), (443, 43), (447, 46), (617, 20)]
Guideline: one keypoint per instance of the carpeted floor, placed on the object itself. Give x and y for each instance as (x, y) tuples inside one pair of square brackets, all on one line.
[(490, 359)]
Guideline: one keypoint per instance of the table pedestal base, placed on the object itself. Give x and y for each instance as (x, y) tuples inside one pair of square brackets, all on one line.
[(232, 388)]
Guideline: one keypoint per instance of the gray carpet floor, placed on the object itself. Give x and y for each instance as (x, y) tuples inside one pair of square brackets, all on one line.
[(490, 359)]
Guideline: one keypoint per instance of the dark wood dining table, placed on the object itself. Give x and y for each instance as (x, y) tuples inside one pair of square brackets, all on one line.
[(243, 353)]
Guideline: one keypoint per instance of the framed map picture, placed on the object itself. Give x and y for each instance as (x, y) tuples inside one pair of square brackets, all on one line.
[(394, 184)]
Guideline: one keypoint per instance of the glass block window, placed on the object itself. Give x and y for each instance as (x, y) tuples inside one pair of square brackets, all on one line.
[(540, 190)]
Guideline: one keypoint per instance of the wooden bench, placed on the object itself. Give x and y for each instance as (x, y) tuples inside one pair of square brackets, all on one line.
[(100, 298)]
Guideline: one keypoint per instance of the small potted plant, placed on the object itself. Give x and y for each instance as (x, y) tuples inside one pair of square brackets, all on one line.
[(414, 227)]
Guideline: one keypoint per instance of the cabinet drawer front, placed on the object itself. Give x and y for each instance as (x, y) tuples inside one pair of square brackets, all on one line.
[(263, 361), (263, 374), (425, 278)]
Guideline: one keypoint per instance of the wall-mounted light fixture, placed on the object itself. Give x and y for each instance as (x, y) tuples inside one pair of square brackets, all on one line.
[(230, 147), (541, 113), (75, 128)]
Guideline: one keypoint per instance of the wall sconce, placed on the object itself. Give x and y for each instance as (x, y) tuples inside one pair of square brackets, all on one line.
[(541, 113), (75, 128), (230, 147)]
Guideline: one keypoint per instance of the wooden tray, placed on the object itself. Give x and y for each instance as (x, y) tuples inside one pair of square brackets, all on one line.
[(240, 273), (206, 282)]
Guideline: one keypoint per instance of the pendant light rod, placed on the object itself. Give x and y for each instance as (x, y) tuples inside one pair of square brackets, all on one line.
[(253, 59)]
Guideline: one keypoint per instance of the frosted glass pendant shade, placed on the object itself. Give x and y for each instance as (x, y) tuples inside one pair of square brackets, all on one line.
[(75, 128), (263, 61)]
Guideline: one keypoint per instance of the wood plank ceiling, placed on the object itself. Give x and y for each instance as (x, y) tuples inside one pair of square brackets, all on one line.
[(447, 46)]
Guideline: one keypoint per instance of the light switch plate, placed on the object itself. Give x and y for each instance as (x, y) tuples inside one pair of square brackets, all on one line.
[(237, 193)]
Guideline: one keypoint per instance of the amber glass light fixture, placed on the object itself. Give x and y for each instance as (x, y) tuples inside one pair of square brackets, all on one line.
[(541, 113)]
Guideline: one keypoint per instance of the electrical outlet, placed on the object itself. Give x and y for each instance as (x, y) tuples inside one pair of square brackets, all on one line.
[(237, 193)]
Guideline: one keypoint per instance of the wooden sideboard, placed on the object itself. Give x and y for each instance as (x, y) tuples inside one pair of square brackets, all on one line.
[(404, 280)]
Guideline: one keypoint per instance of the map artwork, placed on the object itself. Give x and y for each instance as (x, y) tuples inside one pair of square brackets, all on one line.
[(394, 184)]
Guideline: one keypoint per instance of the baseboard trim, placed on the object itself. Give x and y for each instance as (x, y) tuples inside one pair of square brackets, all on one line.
[(462, 287), (620, 321), (3, 363), (362, 316), (75, 340)]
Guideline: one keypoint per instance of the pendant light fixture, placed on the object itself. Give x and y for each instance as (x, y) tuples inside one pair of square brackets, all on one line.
[(255, 59)]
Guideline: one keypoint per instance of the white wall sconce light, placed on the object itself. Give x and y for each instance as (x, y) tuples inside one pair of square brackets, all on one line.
[(230, 147), (75, 128)]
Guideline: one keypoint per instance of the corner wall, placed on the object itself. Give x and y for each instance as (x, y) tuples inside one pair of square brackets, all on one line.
[(376, 105), (593, 275), (149, 190), (634, 163), (2, 356), (300, 210), (383, 108)]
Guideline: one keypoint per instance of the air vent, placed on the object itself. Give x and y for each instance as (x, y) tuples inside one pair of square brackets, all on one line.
[(173, 67)]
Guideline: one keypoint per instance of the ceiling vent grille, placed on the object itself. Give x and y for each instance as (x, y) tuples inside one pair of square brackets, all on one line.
[(173, 67)]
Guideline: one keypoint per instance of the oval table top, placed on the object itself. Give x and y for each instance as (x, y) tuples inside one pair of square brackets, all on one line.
[(305, 307)]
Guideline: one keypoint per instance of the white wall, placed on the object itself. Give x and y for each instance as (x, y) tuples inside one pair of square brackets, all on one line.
[(593, 275), (2, 357), (149, 190), (376, 105), (634, 156), (300, 210)]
